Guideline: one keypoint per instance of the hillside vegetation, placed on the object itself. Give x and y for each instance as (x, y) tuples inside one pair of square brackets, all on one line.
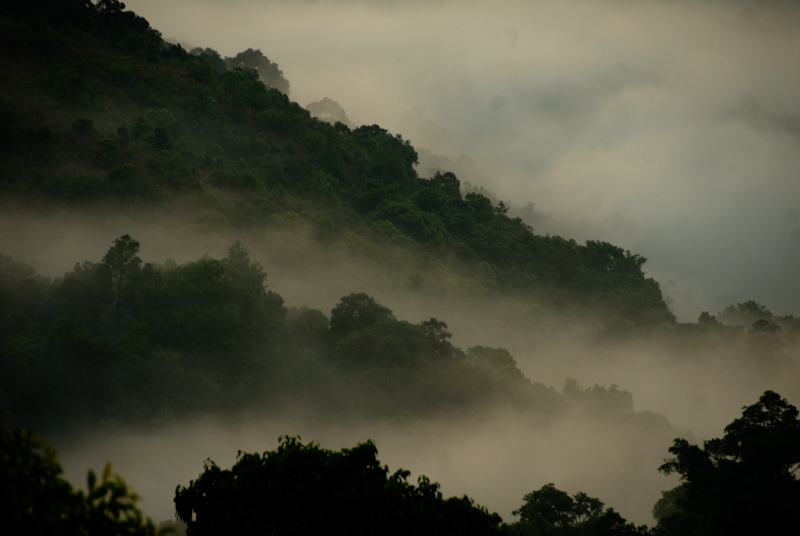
[(99, 114), (97, 109)]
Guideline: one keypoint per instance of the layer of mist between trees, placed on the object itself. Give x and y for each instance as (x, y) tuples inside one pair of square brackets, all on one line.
[(216, 318), (599, 445), (673, 372), (129, 366), (494, 458), (476, 324)]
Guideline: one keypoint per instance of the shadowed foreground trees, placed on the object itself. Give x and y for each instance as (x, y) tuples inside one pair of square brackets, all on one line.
[(37, 500), (304, 489), (743, 483), (551, 512)]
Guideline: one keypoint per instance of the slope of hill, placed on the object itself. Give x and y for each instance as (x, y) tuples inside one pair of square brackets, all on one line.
[(98, 109)]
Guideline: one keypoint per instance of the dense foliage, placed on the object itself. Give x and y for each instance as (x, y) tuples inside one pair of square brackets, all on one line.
[(743, 483), (96, 107), (549, 511), (304, 489), (37, 500), (121, 340)]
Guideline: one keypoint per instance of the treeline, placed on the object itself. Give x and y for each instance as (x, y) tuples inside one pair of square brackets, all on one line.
[(742, 483), (747, 333), (123, 341), (97, 108)]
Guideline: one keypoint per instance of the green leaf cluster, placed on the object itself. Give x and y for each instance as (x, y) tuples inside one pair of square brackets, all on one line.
[(38, 500)]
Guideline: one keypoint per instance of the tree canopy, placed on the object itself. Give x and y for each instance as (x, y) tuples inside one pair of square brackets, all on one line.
[(123, 340), (37, 500), (549, 511), (745, 482), (305, 489)]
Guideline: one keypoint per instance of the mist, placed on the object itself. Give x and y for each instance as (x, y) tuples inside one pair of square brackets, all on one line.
[(496, 456), (495, 459), (667, 128)]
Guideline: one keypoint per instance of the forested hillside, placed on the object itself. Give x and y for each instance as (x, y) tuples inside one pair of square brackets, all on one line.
[(122, 341), (100, 116), (98, 109)]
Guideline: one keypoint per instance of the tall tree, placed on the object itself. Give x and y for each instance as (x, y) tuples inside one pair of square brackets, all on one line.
[(330, 111), (118, 265), (355, 312)]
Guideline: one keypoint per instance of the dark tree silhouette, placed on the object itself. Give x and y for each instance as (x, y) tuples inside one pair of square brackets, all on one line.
[(549, 511), (37, 500), (118, 265), (355, 312), (304, 489), (743, 483)]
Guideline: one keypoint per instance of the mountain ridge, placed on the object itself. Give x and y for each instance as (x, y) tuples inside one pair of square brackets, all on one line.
[(124, 118)]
